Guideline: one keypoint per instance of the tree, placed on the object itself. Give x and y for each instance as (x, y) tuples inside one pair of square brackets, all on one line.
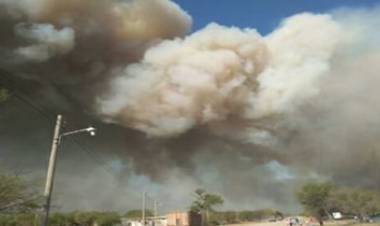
[(320, 199), (108, 219), (355, 201), (92, 218), (205, 202), (314, 197), (137, 214), (15, 195)]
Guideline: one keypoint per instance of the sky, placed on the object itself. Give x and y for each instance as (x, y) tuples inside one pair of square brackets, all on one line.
[(264, 15)]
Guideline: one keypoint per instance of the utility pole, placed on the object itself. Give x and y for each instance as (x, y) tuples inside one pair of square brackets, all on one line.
[(155, 208), (154, 212), (143, 208), (51, 169), (57, 138), (207, 215)]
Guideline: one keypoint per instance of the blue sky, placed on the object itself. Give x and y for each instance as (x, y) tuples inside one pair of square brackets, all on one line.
[(264, 15)]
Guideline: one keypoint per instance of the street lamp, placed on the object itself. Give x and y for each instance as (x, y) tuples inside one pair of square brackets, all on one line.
[(91, 130), (52, 161)]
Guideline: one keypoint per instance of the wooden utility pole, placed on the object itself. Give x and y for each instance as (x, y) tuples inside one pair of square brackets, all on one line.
[(51, 170)]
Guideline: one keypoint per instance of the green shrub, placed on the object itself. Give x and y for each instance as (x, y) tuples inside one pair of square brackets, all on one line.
[(62, 219)]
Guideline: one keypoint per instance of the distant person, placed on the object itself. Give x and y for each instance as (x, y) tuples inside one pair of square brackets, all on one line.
[(292, 222)]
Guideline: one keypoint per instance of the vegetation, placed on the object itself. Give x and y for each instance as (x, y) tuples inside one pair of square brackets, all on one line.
[(4, 94), (137, 214), (314, 197), (19, 205), (89, 218), (20, 219), (61, 219), (204, 203), (355, 201), (16, 196), (321, 199), (233, 217), (259, 215)]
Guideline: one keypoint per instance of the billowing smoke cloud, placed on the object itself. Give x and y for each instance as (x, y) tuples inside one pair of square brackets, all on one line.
[(339, 129), (83, 42), (220, 73), (246, 115)]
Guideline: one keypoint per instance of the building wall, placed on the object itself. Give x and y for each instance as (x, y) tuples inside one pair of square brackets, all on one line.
[(182, 218)]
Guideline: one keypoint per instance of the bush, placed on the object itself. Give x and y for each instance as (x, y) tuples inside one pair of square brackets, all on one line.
[(62, 219), (16, 195), (137, 214), (23, 219), (233, 217)]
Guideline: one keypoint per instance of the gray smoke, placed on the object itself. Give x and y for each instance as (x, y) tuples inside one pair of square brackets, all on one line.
[(48, 41), (249, 116)]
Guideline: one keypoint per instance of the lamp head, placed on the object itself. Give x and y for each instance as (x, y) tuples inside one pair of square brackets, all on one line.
[(91, 130)]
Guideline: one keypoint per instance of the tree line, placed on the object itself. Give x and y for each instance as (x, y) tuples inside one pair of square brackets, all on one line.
[(76, 218), (20, 205), (321, 199), (206, 203), (237, 217)]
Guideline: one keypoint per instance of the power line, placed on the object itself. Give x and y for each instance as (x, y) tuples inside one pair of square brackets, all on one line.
[(49, 116), (92, 155)]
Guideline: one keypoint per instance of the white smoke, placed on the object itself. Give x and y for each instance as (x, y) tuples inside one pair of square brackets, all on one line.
[(46, 41), (301, 51), (220, 73)]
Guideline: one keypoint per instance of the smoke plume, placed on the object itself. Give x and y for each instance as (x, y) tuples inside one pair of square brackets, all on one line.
[(220, 73), (247, 115)]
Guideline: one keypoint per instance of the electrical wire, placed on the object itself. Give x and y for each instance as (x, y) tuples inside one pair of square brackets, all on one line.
[(50, 117)]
